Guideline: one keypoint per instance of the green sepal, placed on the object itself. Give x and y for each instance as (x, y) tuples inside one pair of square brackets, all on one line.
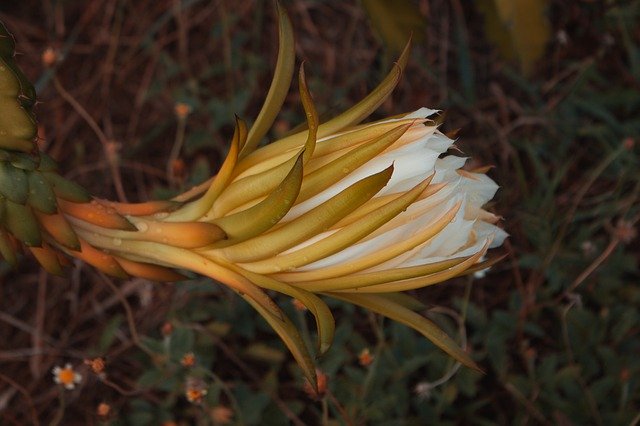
[(24, 161), (264, 215), (47, 164), (41, 195), (22, 224), (6, 248), (66, 189), (13, 183)]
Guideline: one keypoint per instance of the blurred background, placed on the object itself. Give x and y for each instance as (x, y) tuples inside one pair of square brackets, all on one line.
[(547, 91)]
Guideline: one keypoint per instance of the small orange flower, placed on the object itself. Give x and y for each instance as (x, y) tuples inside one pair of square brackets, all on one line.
[(182, 110), (298, 305), (221, 415), (49, 57), (196, 390), (322, 380), (365, 358), (195, 395), (188, 359), (103, 409), (66, 376), (97, 365), (166, 329)]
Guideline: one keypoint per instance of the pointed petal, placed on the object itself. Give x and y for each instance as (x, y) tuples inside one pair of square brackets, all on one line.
[(59, 228), (140, 209), (411, 284), (22, 224), (279, 85), (340, 239), (352, 116), (375, 257), (310, 223), (66, 189), (199, 208), (335, 171), (149, 271), (96, 214), (249, 189), (7, 249), (48, 258), (357, 282), (41, 195), (189, 235), (14, 185), (99, 260), (264, 215), (397, 312), (311, 114), (404, 300), (291, 338), (325, 323)]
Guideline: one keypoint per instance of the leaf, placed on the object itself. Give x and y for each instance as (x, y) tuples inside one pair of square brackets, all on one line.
[(520, 29), (396, 21), (109, 332)]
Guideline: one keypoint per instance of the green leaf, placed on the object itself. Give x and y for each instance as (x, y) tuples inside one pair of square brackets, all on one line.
[(109, 333), (520, 29), (181, 342), (396, 21)]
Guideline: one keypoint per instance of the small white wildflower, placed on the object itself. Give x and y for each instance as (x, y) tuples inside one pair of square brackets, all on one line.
[(66, 376)]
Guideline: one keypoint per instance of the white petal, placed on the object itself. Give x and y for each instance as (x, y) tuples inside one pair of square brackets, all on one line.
[(422, 113)]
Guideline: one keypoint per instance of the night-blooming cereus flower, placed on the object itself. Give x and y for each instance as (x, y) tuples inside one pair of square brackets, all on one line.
[(350, 211), (66, 376)]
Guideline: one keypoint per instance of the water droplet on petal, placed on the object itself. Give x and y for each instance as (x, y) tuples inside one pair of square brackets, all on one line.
[(117, 241), (142, 226), (161, 215)]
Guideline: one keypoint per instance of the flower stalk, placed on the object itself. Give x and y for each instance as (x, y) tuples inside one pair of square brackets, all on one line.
[(355, 212)]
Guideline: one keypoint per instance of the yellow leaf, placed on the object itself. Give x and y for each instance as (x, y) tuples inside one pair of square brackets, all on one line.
[(396, 21), (520, 29)]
